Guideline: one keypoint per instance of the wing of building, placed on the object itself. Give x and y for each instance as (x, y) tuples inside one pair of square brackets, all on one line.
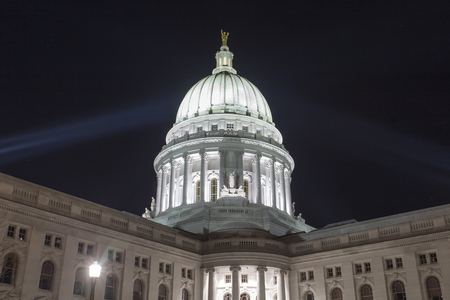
[(222, 225)]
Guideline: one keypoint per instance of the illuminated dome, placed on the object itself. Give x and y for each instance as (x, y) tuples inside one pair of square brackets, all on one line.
[(224, 92)]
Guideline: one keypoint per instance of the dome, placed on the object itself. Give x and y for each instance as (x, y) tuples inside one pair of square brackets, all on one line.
[(224, 92)]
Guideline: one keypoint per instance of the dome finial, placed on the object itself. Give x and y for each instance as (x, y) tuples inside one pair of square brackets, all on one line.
[(224, 37)]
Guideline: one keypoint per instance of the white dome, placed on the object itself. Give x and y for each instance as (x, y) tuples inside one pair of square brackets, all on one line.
[(224, 92)]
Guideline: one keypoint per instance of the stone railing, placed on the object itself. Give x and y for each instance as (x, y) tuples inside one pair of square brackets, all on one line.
[(224, 133), (244, 244)]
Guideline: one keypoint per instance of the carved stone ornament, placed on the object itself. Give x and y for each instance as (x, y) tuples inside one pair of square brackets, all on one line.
[(396, 275), (55, 256), (140, 274), (165, 279), (307, 287), (364, 279), (256, 158), (334, 283)]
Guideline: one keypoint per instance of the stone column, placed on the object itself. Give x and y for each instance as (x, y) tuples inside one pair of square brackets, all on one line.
[(163, 188), (273, 182), (282, 285), (158, 192), (283, 203), (222, 157), (173, 166), (261, 283), (240, 161), (287, 192), (203, 174), (186, 159), (211, 284), (235, 283), (257, 180)]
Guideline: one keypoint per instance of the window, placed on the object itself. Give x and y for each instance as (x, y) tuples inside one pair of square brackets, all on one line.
[(110, 287), (433, 288), (367, 267), (244, 278), (9, 269), (80, 248), (399, 262), (46, 279), (189, 274), (22, 234), (389, 264), (358, 268), (422, 259), (57, 242), (162, 292), (213, 189), (161, 267), (330, 272), (168, 269), (197, 191), (309, 296), (433, 258), (11, 231), (136, 261), (311, 275), (184, 294), (90, 250), (183, 273), (245, 296), (214, 127), (110, 254), (79, 288), (245, 128), (144, 263), (336, 294), (246, 188), (338, 271), (366, 292), (227, 297), (119, 257), (199, 129), (227, 278), (137, 290), (258, 131), (398, 290), (275, 280), (302, 276), (230, 126), (48, 240)]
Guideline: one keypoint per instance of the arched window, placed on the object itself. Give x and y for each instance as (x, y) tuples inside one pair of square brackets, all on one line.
[(47, 271), (213, 189), (398, 289), (9, 269), (162, 292), (434, 288), (309, 296), (227, 297), (110, 287), (245, 296), (366, 292), (79, 288), (246, 188), (197, 191), (336, 294), (137, 290), (184, 295)]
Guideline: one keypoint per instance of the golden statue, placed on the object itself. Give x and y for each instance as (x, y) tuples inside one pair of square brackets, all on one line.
[(224, 37)]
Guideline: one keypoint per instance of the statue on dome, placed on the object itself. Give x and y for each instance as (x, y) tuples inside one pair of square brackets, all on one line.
[(224, 37), (152, 205), (231, 179), (147, 214)]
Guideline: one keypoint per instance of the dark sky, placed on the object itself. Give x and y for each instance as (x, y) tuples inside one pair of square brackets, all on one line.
[(360, 93)]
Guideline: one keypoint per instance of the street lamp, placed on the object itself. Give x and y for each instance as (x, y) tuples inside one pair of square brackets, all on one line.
[(94, 273)]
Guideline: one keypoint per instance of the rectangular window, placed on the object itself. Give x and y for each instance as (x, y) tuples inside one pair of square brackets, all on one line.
[(311, 275), (189, 274), (422, 259), (110, 254), (80, 248), (144, 263), (227, 278), (367, 267), (183, 273), (433, 258), (358, 268), (168, 269), (22, 234), (275, 280), (161, 267), (399, 262), (214, 127), (90, 250), (330, 272), (389, 264), (258, 131), (245, 128), (119, 257), (244, 278), (136, 261), (230, 126), (48, 240), (302, 276), (57, 242), (11, 231), (199, 129), (338, 271)]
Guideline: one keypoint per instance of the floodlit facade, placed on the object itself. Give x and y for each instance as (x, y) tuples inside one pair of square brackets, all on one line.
[(221, 226)]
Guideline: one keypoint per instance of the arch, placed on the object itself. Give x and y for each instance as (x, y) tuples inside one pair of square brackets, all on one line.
[(162, 292), (47, 274), (9, 269), (244, 296), (398, 290), (184, 294), (138, 289), (366, 292), (81, 276), (309, 296), (227, 296), (110, 287), (336, 294), (433, 287)]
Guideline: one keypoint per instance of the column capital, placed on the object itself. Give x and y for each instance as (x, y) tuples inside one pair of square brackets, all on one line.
[(256, 158), (210, 270), (261, 269), (235, 268), (159, 174), (283, 272)]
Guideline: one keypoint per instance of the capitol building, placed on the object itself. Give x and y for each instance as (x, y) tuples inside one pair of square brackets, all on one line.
[(221, 226)]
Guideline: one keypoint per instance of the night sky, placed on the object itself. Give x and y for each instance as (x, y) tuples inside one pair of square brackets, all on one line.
[(360, 93)]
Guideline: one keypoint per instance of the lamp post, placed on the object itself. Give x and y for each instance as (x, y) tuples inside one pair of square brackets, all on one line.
[(94, 273)]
